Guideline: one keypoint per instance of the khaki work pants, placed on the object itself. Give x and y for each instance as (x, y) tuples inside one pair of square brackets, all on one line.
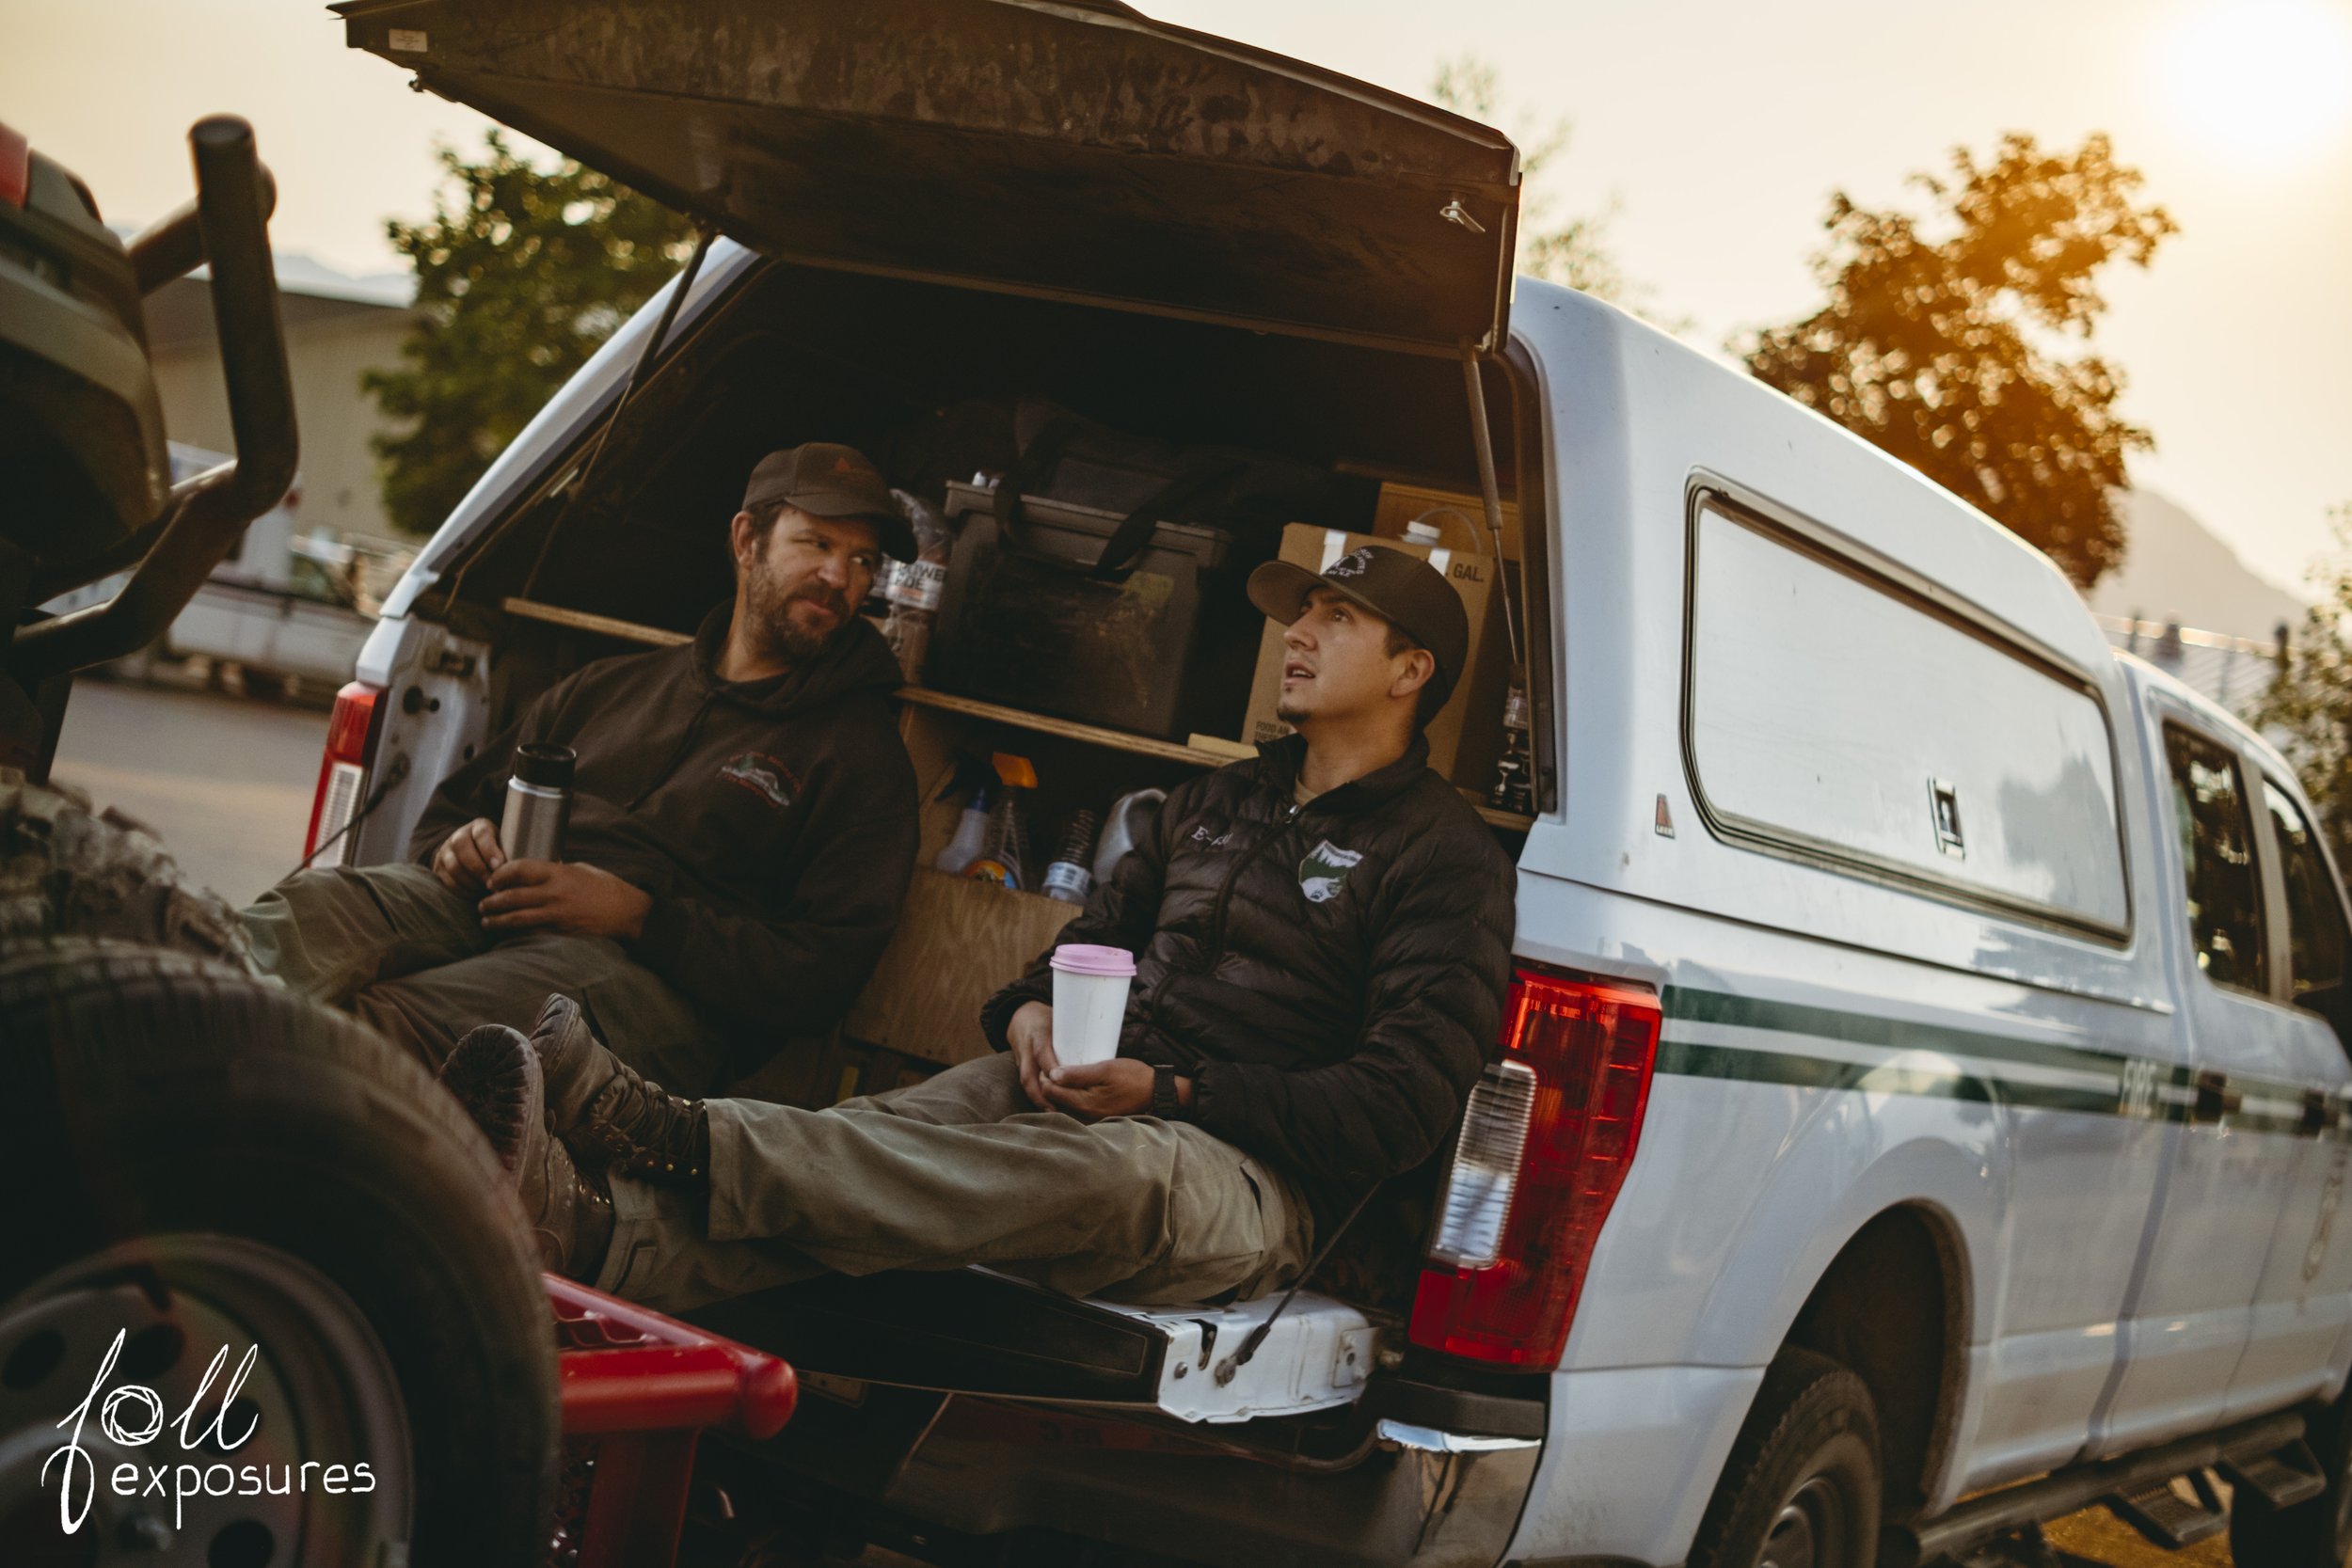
[(408, 957), (960, 1169)]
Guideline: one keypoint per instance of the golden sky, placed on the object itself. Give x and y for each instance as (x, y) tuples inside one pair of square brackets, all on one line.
[(1718, 127)]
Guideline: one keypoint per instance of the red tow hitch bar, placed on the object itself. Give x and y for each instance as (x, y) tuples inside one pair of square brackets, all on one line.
[(639, 1389)]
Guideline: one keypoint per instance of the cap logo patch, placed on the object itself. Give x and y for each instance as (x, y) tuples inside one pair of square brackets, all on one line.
[(1325, 870), (1355, 563)]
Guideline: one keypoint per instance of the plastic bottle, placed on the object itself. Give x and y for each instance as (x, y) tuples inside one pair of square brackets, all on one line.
[(1132, 817), (1513, 789), (971, 835), (914, 588), (1068, 877)]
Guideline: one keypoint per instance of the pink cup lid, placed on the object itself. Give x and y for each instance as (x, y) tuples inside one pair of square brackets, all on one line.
[(1078, 957)]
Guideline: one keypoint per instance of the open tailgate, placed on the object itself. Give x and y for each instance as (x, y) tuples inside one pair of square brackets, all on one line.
[(975, 1332), (1074, 151)]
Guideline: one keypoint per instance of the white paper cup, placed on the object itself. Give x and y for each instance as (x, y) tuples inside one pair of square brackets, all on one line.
[(1090, 1000)]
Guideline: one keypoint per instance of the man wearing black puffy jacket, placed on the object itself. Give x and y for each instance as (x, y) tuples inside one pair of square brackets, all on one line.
[(1322, 940)]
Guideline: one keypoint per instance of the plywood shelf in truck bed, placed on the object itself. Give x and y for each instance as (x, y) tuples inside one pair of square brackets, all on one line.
[(1091, 734)]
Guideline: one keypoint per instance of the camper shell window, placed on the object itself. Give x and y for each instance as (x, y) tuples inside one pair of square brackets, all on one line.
[(1834, 713)]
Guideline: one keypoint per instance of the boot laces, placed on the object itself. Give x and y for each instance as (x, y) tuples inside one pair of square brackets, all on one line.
[(643, 1128)]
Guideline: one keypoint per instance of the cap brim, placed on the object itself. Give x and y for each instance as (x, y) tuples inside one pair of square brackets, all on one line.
[(890, 528), (1280, 589)]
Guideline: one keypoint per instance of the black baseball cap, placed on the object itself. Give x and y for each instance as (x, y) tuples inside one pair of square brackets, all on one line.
[(825, 478), (1399, 588)]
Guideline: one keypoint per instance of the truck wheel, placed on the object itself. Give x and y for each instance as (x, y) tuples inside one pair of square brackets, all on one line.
[(67, 870), (2316, 1535), (202, 1162), (1801, 1488)]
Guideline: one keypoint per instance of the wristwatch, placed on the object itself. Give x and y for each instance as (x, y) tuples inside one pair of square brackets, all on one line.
[(1165, 1105)]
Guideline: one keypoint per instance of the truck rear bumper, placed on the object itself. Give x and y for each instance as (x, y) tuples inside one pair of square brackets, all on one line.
[(970, 1405), (1629, 1461), (1420, 1499)]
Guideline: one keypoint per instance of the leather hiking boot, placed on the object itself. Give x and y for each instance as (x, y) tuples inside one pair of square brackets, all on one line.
[(610, 1113), (494, 1075)]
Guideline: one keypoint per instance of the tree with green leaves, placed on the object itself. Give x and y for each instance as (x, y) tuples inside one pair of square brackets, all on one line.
[(521, 273), (1572, 251), (1942, 341), (2307, 711)]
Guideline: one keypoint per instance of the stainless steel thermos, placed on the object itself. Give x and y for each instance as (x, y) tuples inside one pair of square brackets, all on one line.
[(538, 802)]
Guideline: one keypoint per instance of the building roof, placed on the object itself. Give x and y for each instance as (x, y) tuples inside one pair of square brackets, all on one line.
[(310, 294)]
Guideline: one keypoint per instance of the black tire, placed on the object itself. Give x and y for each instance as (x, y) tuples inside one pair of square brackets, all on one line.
[(67, 869), (211, 1151), (1801, 1488), (2316, 1535)]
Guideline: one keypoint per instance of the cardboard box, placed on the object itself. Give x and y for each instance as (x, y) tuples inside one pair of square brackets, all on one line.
[(1401, 503), (959, 941), (1467, 735)]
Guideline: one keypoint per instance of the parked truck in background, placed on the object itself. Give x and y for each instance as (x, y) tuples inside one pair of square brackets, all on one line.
[(283, 609)]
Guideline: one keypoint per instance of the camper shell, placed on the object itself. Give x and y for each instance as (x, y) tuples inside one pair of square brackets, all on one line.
[(1843, 812)]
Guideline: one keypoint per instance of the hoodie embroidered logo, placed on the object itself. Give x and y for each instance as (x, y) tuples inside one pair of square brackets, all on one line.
[(763, 775), (1325, 870)]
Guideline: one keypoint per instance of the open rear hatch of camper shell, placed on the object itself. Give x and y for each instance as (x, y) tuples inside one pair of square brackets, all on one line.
[(1075, 151)]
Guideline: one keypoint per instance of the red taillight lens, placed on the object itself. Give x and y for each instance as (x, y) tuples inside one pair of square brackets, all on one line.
[(16, 167), (1566, 1098), (344, 771)]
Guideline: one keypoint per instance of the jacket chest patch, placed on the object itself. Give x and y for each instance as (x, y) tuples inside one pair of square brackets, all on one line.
[(1325, 870), (763, 775)]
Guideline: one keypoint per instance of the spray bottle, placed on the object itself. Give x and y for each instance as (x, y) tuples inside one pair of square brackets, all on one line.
[(1006, 859)]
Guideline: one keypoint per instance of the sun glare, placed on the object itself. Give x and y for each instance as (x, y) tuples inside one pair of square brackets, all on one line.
[(2266, 80)]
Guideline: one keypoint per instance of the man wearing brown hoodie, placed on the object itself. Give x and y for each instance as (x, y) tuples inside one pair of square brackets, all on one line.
[(742, 825)]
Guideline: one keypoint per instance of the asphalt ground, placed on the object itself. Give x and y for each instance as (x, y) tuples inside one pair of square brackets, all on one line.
[(226, 782)]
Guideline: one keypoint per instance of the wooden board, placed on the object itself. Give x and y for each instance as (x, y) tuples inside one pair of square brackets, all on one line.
[(1069, 729), (603, 625), (1118, 741), (959, 941), (923, 697)]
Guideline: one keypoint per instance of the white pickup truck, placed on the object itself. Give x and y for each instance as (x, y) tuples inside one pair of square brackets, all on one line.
[(1923, 1105), (280, 608)]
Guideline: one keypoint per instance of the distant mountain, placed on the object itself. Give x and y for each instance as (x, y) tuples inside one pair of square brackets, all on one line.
[(2174, 568)]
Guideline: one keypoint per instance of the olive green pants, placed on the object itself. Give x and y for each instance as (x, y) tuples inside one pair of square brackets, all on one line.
[(408, 957), (958, 1171)]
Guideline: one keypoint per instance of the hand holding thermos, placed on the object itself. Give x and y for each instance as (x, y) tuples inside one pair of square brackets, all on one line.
[(517, 862)]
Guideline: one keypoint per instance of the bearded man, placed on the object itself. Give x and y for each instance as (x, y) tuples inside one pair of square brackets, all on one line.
[(742, 825)]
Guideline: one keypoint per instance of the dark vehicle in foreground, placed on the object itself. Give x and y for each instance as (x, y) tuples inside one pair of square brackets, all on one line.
[(265, 1299)]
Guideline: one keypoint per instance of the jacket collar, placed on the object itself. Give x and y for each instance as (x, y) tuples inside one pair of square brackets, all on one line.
[(1279, 762)]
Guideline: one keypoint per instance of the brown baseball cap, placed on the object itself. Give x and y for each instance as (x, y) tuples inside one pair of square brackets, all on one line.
[(1398, 587), (825, 478)]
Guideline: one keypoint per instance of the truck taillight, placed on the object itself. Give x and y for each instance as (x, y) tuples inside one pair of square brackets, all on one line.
[(344, 771), (1546, 1140)]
